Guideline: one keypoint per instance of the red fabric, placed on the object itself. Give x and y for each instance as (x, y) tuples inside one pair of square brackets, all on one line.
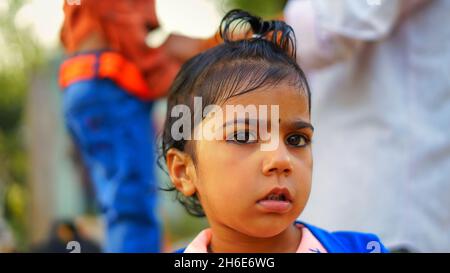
[(111, 65), (124, 24)]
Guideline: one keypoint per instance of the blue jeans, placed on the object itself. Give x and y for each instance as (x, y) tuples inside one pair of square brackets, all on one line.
[(117, 143)]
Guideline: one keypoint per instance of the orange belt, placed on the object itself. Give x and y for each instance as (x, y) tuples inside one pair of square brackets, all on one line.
[(107, 65)]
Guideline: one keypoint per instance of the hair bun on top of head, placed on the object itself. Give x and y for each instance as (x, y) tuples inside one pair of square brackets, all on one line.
[(238, 25)]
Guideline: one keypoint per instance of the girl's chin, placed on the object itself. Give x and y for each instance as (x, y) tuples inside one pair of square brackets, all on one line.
[(268, 229)]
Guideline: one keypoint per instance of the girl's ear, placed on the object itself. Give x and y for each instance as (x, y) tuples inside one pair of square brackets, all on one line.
[(181, 171)]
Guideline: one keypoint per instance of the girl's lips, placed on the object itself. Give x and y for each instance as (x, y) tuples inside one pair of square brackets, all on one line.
[(274, 206)]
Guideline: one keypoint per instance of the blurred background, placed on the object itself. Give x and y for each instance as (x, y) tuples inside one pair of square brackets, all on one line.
[(380, 73), (44, 190)]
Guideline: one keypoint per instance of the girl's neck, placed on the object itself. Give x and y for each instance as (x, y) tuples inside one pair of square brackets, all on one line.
[(225, 239)]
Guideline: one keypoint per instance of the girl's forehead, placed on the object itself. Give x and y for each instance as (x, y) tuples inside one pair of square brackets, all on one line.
[(288, 98)]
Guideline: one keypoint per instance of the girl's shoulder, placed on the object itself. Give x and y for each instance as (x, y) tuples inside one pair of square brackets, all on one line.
[(347, 241)]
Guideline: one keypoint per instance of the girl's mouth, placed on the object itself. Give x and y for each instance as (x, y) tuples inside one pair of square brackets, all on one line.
[(278, 200), (276, 197)]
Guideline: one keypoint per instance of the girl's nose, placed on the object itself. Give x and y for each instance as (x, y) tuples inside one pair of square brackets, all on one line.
[(277, 162)]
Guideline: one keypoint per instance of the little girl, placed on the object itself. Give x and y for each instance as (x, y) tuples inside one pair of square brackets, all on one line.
[(250, 196)]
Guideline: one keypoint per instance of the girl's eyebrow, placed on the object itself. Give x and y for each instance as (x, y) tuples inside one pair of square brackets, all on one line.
[(246, 121), (295, 124), (299, 124)]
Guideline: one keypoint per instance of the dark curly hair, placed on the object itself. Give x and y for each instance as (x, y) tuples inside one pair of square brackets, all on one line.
[(254, 54)]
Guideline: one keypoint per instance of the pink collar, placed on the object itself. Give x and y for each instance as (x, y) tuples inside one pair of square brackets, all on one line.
[(308, 244)]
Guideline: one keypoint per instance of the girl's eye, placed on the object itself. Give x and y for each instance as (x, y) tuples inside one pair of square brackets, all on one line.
[(297, 140), (243, 137)]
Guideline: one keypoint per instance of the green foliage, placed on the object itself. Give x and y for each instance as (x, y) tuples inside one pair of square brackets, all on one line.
[(264, 8), (21, 54)]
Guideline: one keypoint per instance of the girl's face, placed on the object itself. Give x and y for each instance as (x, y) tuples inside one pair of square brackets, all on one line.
[(254, 192)]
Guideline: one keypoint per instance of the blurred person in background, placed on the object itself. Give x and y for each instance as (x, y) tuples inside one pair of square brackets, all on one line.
[(380, 80), (61, 234), (110, 81)]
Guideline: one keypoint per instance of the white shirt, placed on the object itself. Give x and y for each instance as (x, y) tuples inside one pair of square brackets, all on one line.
[(380, 80)]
